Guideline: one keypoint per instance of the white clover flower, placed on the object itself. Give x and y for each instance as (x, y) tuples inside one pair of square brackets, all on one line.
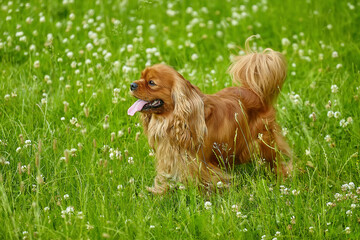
[(347, 230), (72, 16), (337, 196), (349, 120), (351, 185), (343, 123), (37, 64), (349, 213), (46, 209), (327, 138), (70, 54), (295, 192), (18, 149), (73, 120), (220, 184), (339, 65), (329, 26), (170, 12), (345, 187), (330, 114), (334, 88), (207, 205), (194, 57), (311, 229), (312, 116), (307, 152), (66, 196), (285, 42), (131, 160), (89, 47), (277, 234), (337, 114)]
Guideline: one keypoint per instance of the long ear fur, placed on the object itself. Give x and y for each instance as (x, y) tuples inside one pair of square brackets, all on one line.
[(189, 126)]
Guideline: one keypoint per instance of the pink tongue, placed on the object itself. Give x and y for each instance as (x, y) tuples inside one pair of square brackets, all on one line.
[(137, 106)]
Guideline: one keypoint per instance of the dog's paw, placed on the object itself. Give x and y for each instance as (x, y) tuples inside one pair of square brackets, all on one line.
[(156, 190)]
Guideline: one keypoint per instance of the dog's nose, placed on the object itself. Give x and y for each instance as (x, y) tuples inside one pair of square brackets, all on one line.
[(133, 86)]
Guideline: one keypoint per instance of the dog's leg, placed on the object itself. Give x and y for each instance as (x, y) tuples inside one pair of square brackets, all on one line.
[(161, 185)]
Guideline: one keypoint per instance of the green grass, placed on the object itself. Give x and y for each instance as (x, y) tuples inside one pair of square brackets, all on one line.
[(108, 196)]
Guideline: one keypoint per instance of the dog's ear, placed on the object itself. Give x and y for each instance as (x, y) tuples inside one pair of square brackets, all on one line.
[(189, 128)]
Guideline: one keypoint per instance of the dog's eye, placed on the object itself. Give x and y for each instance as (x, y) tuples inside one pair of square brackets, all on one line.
[(152, 83)]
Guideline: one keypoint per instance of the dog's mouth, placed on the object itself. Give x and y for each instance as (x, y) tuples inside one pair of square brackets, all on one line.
[(141, 105)]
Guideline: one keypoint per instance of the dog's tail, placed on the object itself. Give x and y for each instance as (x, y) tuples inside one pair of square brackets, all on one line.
[(264, 72)]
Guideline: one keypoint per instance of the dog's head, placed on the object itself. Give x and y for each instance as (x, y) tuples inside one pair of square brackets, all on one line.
[(154, 90), (162, 90)]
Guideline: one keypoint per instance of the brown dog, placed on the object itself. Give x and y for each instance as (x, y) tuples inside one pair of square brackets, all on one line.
[(195, 135)]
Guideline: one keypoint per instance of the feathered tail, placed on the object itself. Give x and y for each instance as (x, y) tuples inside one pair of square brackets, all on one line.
[(264, 72)]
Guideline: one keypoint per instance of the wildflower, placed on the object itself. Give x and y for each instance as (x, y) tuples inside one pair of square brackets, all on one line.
[(130, 160), (46, 209), (194, 57), (295, 192), (66, 196), (207, 205), (152, 226), (337, 114), (307, 152), (70, 55), (353, 205), (220, 184), (338, 196), (89, 226), (37, 64), (292, 220), (358, 190), (330, 114), (73, 120), (285, 42), (347, 230), (235, 208), (68, 211), (311, 229), (334, 88), (277, 234), (349, 213), (351, 185), (343, 123), (327, 138), (349, 120), (312, 116)]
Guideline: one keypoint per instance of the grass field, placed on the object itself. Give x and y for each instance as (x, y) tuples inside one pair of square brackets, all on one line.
[(73, 165)]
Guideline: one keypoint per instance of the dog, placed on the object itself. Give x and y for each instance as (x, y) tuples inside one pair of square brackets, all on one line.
[(197, 137)]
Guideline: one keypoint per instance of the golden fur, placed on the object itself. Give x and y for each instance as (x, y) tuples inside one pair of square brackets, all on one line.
[(196, 136)]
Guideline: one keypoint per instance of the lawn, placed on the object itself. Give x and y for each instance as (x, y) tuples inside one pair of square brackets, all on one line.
[(74, 165)]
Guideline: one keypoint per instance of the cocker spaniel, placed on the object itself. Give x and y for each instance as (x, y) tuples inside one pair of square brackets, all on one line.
[(197, 136)]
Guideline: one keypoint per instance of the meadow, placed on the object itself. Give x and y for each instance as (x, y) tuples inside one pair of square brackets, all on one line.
[(74, 165)]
